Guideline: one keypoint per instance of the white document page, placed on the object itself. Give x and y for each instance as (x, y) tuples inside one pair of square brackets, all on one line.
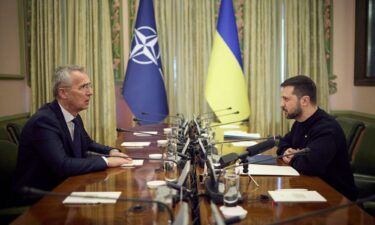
[(244, 143), (270, 170), (297, 195), (240, 134), (135, 162), (145, 133), (135, 144), (92, 197)]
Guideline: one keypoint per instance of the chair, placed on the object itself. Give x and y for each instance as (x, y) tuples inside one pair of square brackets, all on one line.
[(363, 166), (14, 130), (352, 129), (10, 205)]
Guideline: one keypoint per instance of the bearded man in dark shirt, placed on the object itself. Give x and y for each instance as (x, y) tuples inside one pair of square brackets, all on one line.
[(315, 129)]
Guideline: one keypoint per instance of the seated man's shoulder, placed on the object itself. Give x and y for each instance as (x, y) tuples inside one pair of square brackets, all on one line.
[(43, 117)]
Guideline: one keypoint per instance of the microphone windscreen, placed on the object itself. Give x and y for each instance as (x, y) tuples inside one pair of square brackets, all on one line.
[(261, 147), (228, 158)]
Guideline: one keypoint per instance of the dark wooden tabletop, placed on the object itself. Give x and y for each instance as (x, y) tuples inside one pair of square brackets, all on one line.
[(131, 182)]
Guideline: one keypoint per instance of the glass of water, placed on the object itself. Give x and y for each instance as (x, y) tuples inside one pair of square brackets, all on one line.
[(231, 188), (170, 166)]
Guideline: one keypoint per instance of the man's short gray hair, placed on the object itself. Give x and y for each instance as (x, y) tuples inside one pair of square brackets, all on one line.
[(61, 78)]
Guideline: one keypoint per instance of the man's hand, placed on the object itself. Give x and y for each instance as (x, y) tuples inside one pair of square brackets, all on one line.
[(287, 159), (118, 161)]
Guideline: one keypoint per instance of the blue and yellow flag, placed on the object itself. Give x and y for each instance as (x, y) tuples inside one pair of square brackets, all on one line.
[(143, 88), (226, 84)]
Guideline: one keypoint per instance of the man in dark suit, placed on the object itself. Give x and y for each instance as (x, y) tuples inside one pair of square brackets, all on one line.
[(54, 143), (317, 130)]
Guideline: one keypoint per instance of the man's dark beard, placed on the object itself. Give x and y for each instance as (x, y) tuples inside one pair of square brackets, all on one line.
[(295, 114)]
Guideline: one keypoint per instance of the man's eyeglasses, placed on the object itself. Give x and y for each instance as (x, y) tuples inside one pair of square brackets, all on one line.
[(83, 87)]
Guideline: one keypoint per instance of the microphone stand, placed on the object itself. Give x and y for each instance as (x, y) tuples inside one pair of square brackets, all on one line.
[(220, 124), (300, 152), (215, 111), (217, 197), (276, 137)]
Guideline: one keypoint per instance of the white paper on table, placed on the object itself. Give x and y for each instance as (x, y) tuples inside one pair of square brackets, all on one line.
[(135, 144), (135, 162), (298, 195), (240, 134), (145, 133), (244, 143), (92, 197), (269, 170)]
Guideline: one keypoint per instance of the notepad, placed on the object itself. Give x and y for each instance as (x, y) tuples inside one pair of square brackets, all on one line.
[(297, 195), (145, 133), (269, 170), (92, 197), (240, 134), (135, 144), (135, 162)]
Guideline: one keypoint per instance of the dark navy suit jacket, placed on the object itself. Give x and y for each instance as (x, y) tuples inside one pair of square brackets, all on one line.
[(45, 156)]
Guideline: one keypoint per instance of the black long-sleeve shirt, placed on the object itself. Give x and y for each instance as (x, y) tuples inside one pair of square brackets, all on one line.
[(328, 157)]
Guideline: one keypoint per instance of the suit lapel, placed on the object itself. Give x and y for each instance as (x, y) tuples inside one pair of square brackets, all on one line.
[(60, 117)]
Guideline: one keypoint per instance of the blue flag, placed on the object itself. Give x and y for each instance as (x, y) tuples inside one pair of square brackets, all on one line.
[(143, 88)]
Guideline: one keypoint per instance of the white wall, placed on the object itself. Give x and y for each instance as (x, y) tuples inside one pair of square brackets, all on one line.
[(14, 94), (348, 96)]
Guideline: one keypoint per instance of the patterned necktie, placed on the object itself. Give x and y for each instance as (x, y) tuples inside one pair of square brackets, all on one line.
[(77, 139)]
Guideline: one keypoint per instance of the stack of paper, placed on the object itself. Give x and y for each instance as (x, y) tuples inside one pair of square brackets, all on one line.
[(135, 144), (145, 133), (244, 143), (296, 195), (240, 134), (135, 162), (92, 197)]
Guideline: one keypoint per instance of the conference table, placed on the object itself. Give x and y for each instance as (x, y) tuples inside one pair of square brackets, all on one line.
[(131, 182)]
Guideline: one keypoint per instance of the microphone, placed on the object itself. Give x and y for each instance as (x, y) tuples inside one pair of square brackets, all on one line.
[(158, 114), (261, 147), (221, 115), (220, 124), (178, 187), (138, 120), (134, 131), (322, 211), (275, 138), (215, 111), (299, 152), (35, 191), (227, 159), (182, 215)]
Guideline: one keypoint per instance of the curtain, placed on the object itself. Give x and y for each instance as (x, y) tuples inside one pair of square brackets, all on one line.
[(75, 32), (304, 41), (185, 30), (262, 64)]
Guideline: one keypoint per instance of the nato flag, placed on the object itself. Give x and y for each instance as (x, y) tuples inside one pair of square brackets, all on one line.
[(143, 88)]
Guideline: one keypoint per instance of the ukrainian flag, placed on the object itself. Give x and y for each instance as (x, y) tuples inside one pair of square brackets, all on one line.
[(226, 84)]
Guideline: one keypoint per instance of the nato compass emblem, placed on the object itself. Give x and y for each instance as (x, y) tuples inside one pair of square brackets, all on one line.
[(145, 48)]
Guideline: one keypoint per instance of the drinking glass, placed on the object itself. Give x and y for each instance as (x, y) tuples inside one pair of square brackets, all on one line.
[(231, 188)]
